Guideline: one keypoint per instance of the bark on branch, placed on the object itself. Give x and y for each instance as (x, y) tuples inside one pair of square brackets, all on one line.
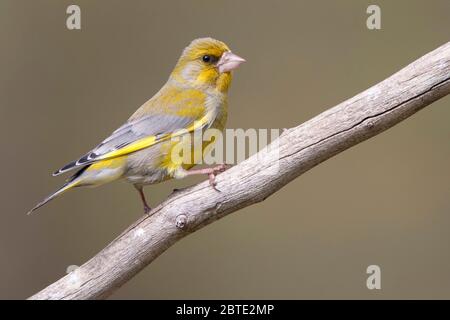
[(300, 149)]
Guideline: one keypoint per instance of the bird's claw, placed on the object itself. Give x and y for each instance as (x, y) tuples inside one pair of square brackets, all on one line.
[(214, 172), (147, 210)]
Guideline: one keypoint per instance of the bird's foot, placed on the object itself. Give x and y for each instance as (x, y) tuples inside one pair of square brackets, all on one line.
[(147, 210), (213, 172)]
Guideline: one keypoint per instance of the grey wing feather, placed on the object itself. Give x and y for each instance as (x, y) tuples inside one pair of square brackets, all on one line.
[(151, 125)]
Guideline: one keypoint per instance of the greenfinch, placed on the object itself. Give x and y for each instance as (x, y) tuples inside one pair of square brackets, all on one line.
[(193, 98)]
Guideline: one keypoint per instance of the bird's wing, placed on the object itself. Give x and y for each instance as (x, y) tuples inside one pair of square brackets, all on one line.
[(137, 135)]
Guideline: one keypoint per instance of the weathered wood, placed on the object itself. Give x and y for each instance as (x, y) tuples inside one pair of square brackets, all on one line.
[(300, 149)]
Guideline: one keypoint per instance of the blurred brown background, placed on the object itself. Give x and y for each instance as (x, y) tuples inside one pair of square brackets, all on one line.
[(383, 202)]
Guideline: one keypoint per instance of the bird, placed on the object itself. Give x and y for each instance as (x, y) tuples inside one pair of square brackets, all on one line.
[(195, 97)]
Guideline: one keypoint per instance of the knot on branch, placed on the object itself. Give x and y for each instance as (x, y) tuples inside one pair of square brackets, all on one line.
[(369, 124), (181, 221)]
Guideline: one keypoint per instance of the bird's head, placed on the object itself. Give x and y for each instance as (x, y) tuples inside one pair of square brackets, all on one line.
[(206, 63)]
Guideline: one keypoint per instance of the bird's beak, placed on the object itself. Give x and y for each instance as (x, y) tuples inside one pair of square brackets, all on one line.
[(229, 61)]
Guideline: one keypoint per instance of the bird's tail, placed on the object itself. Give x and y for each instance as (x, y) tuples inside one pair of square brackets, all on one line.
[(64, 188), (91, 175)]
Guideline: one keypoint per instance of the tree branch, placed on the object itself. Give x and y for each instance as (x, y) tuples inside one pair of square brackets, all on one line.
[(300, 149)]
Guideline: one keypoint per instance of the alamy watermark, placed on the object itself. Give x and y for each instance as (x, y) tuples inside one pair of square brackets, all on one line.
[(374, 280), (373, 22), (73, 21), (231, 146)]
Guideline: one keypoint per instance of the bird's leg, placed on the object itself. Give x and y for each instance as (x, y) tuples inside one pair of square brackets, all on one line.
[(147, 208), (211, 172)]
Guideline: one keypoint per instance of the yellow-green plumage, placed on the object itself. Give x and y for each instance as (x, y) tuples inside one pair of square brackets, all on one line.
[(194, 97)]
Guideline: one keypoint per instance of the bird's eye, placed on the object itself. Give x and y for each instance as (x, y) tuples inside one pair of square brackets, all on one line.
[(209, 59), (206, 58)]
